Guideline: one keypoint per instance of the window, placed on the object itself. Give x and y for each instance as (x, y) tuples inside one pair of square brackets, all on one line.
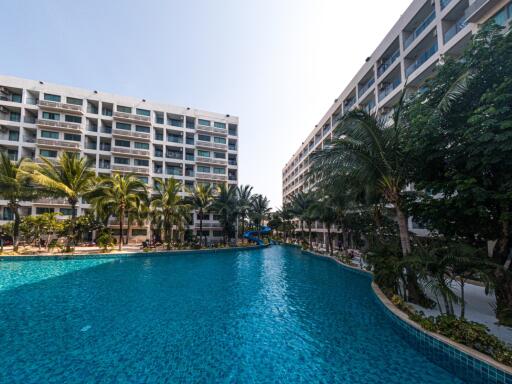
[(139, 232), (205, 233), (41, 210), (51, 116), (121, 108), (50, 97), (106, 111), (126, 127), (141, 145), (143, 112), (219, 171), (121, 160), (202, 168), (141, 162), (50, 134), (8, 215), (219, 125), (176, 122), (67, 211), (47, 153), (122, 143), (144, 179), (203, 153), (72, 137), (203, 137), (219, 140), (204, 122), (141, 128), (73, 119), (218, 234), (72, 100), (219, 155), (501, 17), (14, 135)]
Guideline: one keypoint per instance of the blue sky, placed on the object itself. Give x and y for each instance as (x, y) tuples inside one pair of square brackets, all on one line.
[(277, 64)]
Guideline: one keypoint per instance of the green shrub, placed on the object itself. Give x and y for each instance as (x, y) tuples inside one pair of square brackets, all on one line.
[(105, 241)]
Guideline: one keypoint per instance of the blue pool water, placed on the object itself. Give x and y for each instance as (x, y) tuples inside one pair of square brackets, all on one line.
[(272, 315)]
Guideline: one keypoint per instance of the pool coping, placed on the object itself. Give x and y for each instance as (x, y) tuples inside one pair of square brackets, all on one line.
[(79, 256), (486, 359)]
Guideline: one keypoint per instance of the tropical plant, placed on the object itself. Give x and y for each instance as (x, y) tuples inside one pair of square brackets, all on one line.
[(244, 193), (260, 208), (202, 199), (301, 205), (119, 193), (70, 177), (15, 187), (324, 209), (225, 205)]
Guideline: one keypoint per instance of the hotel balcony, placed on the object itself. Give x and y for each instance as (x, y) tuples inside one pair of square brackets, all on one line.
[(132, 118), (130, 151), (210, 176), (387, 62), (68, 145), (454, 29), (209, 129), (421, 59), (131, 134), (61, 107), (208, 225), (423, 25), (210, 145), (478, 8), (52, 201), (130, 169), (209, 160), (62, 125)]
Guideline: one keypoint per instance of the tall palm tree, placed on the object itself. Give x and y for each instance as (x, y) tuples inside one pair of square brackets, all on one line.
[(324, 209), (15, 187), (70, 177), (301, 206), (286, 215), (170, 204), (137, 214), (260, 208), (244, 193), (225, 205), (121, 193), (202, 199)]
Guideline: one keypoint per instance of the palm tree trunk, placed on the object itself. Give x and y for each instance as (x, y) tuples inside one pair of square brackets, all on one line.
[(404, 232), (309, 237), (121, 222), (462, 303), (200, 228), (128, 231), (71, 239), (329, 240), (16, 227), (243, 227)]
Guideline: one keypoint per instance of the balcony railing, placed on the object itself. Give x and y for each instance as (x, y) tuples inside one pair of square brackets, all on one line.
[(363, 88), (131, 134), (130, 169), (211, 176), (59, 125), (456, 28), (421, 59), (388, 62), (174, 155), (130, 151), (131, 117), (209, 129), (58, 144), (55, 106), (209, 160), (424, 24), (444, 3), (174, 172), (52, 200), (209, 144), (387, 89)]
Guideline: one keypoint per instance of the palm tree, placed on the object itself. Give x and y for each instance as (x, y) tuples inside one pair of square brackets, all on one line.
[(259, 210), (170, 205), (15, 187), (244, 193), (286, 216), (70, 177), (121, 193), (324, 209), (202, 199), (137, 214), (225, 205), (301, 206)]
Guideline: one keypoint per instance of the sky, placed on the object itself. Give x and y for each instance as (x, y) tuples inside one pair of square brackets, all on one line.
[(276, 64)]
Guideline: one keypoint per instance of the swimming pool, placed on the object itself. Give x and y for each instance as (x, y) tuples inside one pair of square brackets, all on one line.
[(254, 316)]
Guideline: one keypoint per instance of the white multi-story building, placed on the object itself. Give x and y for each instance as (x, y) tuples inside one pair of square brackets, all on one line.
[(118, 134), (427, 31)]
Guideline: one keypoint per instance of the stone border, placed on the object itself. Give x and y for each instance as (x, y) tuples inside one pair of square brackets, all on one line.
[(80, 256), (461, 360)]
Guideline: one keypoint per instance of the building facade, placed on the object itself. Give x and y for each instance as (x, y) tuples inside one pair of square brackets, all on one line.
[(119, 135), (427, 31)]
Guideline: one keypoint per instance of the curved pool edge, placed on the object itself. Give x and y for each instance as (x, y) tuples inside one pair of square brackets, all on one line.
[(78, 256), (461, 360)]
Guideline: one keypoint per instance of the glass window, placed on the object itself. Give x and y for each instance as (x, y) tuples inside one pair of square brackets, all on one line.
[(144, 179), (72, 137), (141, 128), (203, 137), (219, 171), (51, 116), (143, 112), (216, 124), (141, 145), (202, 168), (204, 122), (121, 160), (140, 231), (219, 140), (141, 162), (50, 134), (66, 211), (501, 17), (106, 111), (203, 153), (41, 210), (176, 122), (122, 143), (72, 100), (50, 97), (126, 127), (73, 119), (219, 155), (47, 153), (14, 135), (121, 108)]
